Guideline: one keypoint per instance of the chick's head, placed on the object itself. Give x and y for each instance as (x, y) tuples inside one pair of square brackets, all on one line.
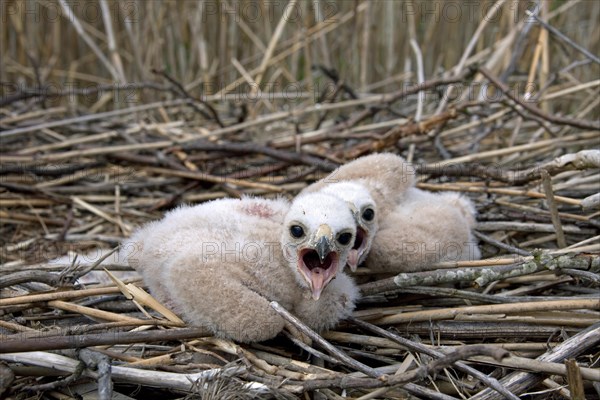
[(364, 210), (318, 234)]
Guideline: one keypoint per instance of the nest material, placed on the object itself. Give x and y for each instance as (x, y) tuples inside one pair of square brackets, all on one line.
[(534, 293), (522, 320)]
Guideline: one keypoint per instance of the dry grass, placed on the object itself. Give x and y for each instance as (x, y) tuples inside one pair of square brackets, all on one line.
[(106, 123)]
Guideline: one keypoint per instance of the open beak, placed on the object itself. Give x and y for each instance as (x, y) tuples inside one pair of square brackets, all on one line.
[(358, 249), (356, 252), (318, 263)]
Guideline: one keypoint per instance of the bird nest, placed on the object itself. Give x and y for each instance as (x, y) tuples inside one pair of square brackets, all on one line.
[(523, 319)]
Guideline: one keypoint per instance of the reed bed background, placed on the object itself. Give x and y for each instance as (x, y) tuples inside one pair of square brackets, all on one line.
[(112, 113), (206, 45)]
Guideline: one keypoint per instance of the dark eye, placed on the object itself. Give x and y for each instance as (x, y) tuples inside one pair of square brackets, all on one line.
[(368, 214), (344, 238), (296, 231)]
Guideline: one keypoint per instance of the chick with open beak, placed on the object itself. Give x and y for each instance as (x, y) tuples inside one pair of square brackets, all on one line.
[(364, 211), (319, 239)]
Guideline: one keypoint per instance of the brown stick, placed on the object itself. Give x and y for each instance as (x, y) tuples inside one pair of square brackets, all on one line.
[(419, 347), (48, 91), (413, 375), (582, 160), (349, 361), (547, 184), (62, 295), (482, 275), (200, 176), (575, 380), (108, 338), (451, 313), (577, 123), (518, 382), (212, 113), (249, 148)]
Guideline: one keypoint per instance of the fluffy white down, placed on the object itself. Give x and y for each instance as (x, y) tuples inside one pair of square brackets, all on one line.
[(417, 200), (192, 228), (218, 264), (213, 232), (352, 192), (431, 209)]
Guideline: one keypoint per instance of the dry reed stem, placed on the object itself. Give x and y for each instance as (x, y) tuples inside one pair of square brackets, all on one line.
[(519, 381), (59, 295), (432, 315), (92, 312), (125, 374)]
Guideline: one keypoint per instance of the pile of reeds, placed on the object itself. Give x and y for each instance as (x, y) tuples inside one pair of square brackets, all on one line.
[(507, 114)]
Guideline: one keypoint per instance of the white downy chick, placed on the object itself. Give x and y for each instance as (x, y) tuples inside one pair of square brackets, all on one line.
[(219, 264), (415, 227)]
